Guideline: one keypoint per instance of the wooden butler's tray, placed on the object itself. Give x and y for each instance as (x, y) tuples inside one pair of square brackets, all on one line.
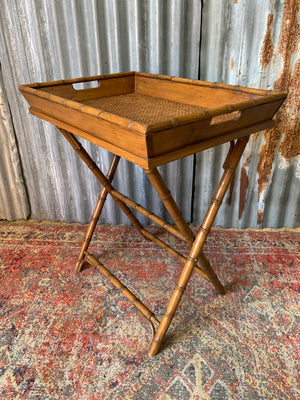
[(153, 119)]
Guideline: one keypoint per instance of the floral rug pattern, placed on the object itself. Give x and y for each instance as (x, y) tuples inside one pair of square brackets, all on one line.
[(74, 336)]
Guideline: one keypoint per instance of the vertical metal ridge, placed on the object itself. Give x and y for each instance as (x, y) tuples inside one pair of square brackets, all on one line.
[(133, 36), (13, 197)]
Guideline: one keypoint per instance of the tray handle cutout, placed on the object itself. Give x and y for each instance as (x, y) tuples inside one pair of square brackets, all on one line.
[(86, 85), (229, 117)]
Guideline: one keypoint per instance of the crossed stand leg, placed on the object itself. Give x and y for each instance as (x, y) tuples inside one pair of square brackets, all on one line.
[(196, 261)]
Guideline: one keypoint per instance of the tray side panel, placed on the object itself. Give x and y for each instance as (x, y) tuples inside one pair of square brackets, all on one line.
[(142, 162), (180, 137), (201, 96), (171, 139), (248, 117), (208, 143), (106, 88), (129, 140)]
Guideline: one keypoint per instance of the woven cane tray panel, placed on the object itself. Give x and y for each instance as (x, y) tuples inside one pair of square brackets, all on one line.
[(145, 109)]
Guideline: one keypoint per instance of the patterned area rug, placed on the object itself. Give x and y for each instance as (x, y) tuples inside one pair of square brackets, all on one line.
[(74, 336)]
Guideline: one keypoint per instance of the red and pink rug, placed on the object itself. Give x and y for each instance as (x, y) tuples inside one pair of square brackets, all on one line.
[(74, 336)]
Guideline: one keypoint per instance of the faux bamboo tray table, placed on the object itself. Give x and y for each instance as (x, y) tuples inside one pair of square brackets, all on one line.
[(151, 120)]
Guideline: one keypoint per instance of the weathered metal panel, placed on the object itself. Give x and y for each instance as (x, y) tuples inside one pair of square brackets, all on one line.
[(256, 44), (251, 43), (48, 40), (13, 198)]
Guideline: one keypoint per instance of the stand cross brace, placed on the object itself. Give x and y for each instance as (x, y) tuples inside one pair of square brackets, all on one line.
[(182, 231)]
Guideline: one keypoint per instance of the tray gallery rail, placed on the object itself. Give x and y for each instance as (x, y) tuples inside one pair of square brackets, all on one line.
[(152, 120)]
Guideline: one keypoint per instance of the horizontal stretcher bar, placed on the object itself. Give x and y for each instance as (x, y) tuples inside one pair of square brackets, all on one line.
[(173, 252), (144, 310), (161, 222), (153, 217)]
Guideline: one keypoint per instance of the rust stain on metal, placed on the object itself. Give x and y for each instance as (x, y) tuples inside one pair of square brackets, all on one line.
[(287, 119), (266, 156), (267, 48), (260, 215), (232, 64), (244, 183), (289, 82), (247, 161)]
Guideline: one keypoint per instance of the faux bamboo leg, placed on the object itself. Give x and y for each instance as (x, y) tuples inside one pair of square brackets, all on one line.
[(212, 276), (101, 177), (229, 168), (170, 204), (96, 213)]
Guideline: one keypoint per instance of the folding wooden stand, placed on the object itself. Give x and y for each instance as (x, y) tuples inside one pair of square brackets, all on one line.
[(151, 120), (184, 232)]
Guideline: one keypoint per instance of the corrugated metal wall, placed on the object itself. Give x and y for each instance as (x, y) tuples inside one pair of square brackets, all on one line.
[(13, 197), (236, 42), (255, 44), (46, 40)]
